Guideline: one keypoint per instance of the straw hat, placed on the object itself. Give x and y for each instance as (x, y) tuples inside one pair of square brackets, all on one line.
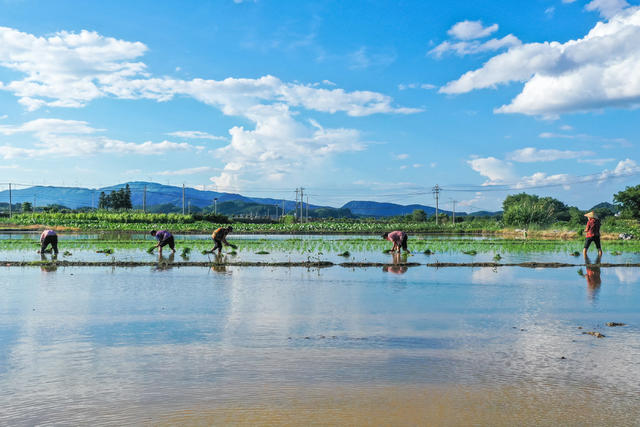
[(590, 215)]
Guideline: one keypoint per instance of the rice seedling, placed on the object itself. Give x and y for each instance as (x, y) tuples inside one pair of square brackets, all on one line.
[(428, 252), (345, 254), (471, 252), (185, 252), (575, 253), (66, 253), (106, 251), (616, 253), (151, 249), (497, 257), (262, 253)]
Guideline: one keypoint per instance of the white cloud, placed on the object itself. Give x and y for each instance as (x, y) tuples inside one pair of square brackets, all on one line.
[(279, 148), (4, 116), (599, 70), (498, 171), (471, 47), (607, 8), (469, 30), (541, 179), (70, 70), (417, 165), (72, 138), (530, 155), (426, 86), (402, 156), (550, 11), (188, 171), (566, 127), (196, 134)]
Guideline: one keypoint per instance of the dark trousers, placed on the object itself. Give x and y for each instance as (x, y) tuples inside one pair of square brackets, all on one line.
[(169, 241), (49, 240), (594, 239), (403, 244), (217, 244)]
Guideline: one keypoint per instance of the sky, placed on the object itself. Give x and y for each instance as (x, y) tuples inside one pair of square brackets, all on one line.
[(359, 100)]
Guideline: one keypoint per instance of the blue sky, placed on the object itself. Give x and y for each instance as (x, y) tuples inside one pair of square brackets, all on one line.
[(352, 100)]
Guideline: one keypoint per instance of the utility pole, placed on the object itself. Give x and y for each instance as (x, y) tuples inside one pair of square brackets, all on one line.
[(144, 199), (10, 201), (296, 214), (215, 205), (283, 207), (436, 193), (182, 199), (301, 204), (454, 212)]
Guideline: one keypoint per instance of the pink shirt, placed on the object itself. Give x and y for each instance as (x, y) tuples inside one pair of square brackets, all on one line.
[(46, 233), (396, 237)]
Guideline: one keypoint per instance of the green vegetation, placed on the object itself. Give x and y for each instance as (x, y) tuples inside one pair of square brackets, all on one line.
[(629, 201)]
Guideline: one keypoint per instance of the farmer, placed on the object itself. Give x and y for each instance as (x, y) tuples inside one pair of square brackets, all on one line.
[(164, 238), (219, 237), (49, 237), (592, 233), (399, 239)]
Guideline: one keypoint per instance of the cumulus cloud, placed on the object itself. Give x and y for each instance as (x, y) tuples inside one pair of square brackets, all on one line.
[(599, 70), (606, 8), (530, 155), (72, 69), (498, 171), (501, 172), (279, 147), (469, 30), (426, 86), (72, 138), (402, 156)]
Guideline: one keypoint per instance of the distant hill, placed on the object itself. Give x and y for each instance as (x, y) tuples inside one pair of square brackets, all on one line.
[(606, 206), (378, 209), (168, 198)]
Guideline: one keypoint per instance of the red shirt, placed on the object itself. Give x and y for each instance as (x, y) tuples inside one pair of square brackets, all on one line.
[(593, 228)]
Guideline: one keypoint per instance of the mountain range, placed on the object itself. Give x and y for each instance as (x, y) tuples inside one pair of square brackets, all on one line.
[(154, 194)]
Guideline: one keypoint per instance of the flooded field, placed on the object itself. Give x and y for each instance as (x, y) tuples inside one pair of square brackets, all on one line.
[(22, 247), (244, 345)]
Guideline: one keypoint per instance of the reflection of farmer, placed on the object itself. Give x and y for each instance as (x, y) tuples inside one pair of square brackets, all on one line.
[(399, 239), (164, 238), (49, 237), (593, 276), (219, 237), (592, 233), (396, 268)]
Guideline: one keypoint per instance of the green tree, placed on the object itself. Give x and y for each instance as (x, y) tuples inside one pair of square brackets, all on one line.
[(419, 215), (27, 207), (629, 201)]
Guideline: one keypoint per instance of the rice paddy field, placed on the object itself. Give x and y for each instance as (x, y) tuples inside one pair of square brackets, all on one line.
[(331, 329), (337, 249)]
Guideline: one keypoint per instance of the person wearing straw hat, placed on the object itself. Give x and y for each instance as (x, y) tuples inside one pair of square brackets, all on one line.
[(592, 233)]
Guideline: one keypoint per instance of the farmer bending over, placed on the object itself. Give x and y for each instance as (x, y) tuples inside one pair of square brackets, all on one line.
[(164, 238), (219, 237), (49, 237), (399, 239), (592, 232)]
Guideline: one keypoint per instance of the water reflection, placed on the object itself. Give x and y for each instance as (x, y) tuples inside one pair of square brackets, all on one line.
[(165, 263), (593, 277), (398, 266)]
